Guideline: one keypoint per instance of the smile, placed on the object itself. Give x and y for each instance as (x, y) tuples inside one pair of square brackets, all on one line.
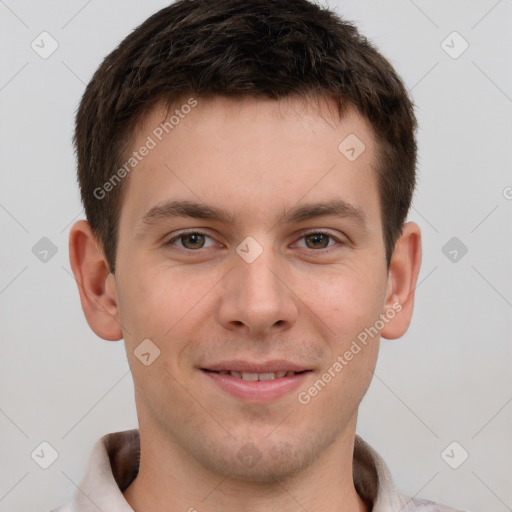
[(257, 386), (257, 376)]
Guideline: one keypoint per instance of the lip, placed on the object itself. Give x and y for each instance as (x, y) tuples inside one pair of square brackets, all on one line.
[(258, 391), (275, 365)]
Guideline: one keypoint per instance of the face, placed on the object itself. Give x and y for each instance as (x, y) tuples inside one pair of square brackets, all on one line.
[(276, 263)]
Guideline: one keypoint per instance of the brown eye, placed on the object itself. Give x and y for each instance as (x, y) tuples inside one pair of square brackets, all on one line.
[(192, 240), (317, 240)]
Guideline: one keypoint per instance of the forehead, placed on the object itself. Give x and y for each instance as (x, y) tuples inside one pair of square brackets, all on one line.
[(252, 154)]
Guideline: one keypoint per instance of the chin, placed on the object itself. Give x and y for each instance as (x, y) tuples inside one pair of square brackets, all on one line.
[(262, 463)]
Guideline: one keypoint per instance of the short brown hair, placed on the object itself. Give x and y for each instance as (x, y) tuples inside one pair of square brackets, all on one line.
[(258, 48)]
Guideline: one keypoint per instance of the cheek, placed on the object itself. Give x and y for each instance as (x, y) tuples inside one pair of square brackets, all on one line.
[(349, 307), (346, 299), (157, 299), (165, 305)]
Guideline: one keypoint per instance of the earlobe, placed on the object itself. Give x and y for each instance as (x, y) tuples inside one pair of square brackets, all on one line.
[(96, 284), (402, 279)]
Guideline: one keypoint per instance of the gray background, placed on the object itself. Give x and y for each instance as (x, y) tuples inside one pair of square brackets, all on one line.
[(449, 379)]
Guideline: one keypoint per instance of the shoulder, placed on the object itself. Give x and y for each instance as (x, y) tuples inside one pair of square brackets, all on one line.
[(421, 505), (67, 507), (374, 483)]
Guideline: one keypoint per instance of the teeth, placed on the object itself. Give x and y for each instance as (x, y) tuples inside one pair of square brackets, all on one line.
[(249, 376), (258, 376)]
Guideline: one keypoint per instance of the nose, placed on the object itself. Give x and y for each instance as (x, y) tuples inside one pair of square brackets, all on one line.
[(257, 298)]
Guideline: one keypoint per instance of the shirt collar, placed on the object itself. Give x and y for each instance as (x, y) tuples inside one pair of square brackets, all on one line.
[(114, 462)]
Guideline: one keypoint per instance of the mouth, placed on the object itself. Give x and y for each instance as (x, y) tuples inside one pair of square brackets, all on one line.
[(254, 376), (257, 383)]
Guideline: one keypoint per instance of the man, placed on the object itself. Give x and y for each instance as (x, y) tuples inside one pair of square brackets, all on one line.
[(246, 168)]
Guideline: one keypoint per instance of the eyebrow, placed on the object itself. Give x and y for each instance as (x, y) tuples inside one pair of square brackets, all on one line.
[(191, 209)]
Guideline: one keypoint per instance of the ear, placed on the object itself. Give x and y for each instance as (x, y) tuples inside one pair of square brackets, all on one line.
[(402, 278), (96, 284)]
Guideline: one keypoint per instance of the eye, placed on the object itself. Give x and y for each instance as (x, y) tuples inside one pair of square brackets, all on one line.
[(318, 240), (193, 240)]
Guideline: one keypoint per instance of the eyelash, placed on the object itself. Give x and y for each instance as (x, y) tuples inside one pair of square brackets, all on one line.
[(171, 241)]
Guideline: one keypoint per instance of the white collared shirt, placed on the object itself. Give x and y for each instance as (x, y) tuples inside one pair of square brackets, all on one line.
[(114, 462)]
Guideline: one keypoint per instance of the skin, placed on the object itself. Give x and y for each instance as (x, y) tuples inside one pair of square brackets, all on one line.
[(302, 299)]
